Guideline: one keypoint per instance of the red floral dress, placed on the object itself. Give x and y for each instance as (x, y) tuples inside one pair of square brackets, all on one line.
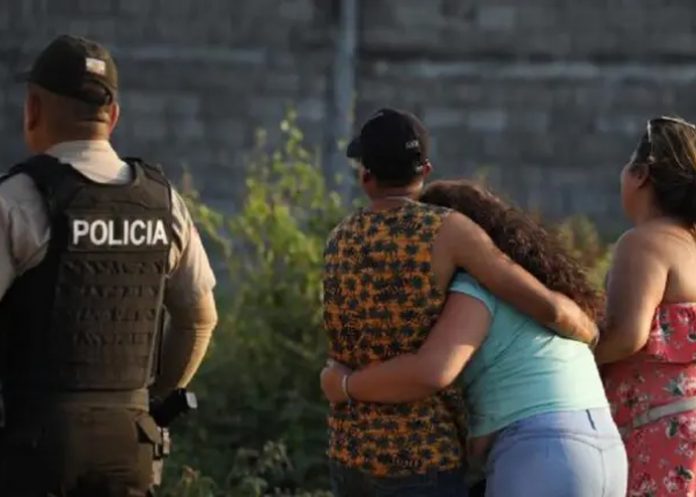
[(662, 454)]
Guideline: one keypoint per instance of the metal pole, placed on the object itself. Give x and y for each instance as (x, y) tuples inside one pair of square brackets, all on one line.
[(342, 96)]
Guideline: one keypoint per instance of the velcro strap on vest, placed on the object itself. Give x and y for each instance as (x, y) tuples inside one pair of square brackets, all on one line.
[(656, 413)]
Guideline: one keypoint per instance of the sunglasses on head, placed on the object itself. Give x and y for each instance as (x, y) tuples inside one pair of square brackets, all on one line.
[(648, 139), (667, 119)]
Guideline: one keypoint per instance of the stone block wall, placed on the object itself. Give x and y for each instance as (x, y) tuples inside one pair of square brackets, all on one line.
[(545, 97)]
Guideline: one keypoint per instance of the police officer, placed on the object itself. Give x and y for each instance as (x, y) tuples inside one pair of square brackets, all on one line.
[(93, 247)]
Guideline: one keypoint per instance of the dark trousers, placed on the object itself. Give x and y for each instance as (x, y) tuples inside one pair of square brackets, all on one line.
[(348, 482), (478, 490), (78, 451)]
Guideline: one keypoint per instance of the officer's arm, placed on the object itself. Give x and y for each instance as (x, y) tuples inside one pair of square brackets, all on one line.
[(473, 250), (185, 343), (190, 303)]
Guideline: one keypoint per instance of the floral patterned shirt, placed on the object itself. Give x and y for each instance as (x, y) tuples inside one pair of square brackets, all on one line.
[(380, 300)]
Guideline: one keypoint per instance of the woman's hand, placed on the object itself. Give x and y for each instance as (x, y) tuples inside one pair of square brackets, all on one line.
[(332, 379), (573, 323)]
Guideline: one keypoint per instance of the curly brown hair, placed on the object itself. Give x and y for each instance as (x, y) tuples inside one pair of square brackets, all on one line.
[(521, 238)]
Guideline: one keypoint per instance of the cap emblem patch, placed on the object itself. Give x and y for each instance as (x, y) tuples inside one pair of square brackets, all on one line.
[(95, 66)]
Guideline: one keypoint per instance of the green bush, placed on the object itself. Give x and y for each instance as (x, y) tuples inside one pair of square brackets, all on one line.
[(261, 426), (261, 429), (577, 234), (581, 237)]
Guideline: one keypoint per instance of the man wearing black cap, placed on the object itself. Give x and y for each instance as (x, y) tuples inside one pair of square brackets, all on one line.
[(92, 248), (387, 270)]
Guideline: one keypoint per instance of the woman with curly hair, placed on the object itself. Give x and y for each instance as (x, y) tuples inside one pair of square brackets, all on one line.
[(649, 336), (539, 420)]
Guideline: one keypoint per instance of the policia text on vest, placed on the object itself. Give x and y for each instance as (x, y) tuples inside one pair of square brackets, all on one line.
[(118, 232)]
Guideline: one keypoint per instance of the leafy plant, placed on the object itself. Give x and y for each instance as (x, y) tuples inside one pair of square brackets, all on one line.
[(259, 382), (581, 237)]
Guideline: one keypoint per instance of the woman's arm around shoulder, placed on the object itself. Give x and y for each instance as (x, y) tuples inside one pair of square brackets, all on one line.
[(473, 250), (459, 331)]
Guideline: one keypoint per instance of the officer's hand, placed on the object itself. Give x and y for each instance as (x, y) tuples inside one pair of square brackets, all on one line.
[(334, 378)]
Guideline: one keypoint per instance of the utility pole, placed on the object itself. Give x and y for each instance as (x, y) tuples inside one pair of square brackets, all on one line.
[(342, 98)]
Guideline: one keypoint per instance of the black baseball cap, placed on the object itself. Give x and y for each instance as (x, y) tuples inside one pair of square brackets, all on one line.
[(392, 145), (76, 67)]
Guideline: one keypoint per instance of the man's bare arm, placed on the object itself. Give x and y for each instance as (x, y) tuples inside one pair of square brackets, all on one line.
[(185, 343), (472, 249)]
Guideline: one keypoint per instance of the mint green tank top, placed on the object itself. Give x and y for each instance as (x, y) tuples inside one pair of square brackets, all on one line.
[(523, 369)]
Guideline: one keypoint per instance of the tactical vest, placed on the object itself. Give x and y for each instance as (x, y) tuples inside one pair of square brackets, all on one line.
[(87, 318)]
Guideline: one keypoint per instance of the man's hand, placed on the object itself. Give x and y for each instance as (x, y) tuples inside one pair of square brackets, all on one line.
[(332, 378)]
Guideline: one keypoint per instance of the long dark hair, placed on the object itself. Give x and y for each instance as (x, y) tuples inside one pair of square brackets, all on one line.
[(667, 151), (521, 238)]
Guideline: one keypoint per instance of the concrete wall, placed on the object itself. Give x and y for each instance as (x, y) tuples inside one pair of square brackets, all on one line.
[(547, 97)]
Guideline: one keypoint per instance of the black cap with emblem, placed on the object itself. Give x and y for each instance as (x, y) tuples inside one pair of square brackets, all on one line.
[(393, 145), (78, 68)]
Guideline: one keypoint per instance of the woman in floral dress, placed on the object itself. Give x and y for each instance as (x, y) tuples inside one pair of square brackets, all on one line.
[(649, 340)]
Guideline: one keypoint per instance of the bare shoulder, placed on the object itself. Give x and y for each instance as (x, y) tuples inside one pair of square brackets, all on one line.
[(457, 227), (641, 238), (455, 222), (466, 244), (644, 246), (656, 238)]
